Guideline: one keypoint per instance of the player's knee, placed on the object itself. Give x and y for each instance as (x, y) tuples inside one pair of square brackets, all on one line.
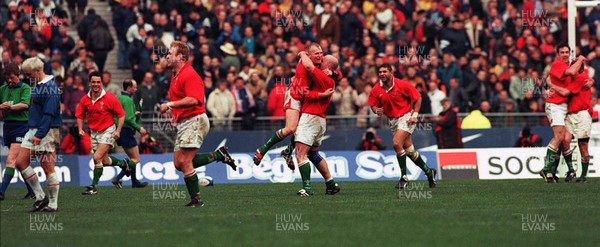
[(397, 146), (412, 153), (292, 129), (314, 157)]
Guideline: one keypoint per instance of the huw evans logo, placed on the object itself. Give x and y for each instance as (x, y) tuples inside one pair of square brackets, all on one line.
[(536, 223), (290, 223)]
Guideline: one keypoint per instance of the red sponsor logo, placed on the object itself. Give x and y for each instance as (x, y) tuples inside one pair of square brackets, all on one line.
[(458, 160)]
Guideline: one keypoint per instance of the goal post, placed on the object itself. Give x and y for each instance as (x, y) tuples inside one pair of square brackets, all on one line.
[(572, 12)]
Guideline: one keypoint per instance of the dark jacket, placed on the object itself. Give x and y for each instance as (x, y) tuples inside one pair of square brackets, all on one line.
[(351, 27), (123, 18), (448, 130)]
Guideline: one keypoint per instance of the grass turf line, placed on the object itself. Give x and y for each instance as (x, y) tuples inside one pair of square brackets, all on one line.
[(458, 213)]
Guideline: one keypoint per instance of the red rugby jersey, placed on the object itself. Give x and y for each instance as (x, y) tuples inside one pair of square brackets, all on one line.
[(187, 83), (396, 101), (100, 113), (558, 78)]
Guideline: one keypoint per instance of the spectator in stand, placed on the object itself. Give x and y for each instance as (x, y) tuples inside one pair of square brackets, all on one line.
[(476, 120), (109, 86), (76, 9), (327, 25), (370, 141), (87, 23), (221, 105), (72, 95), (140, 56), (435, 96), (447, 131), (364, 115), (123, 18), (231, 57), (244, 103), (276, 100), (458, 96), (528, 139), (73, 143), (62, 42), (447, 70), (100, 42), (344, 98), (350, 26), (148, 95)]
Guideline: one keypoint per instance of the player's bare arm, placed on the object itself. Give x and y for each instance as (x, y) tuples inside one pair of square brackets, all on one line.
[(80, 127), (574, 69), (117, 132), (415, 114), (559, 90)]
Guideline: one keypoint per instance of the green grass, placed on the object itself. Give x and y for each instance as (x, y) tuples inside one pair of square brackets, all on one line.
[(459, 213)]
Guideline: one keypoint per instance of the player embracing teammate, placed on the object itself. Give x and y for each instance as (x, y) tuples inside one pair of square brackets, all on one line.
[(569, 86)]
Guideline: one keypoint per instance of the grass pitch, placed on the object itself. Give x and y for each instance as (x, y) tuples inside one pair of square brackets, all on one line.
[(456, 213)]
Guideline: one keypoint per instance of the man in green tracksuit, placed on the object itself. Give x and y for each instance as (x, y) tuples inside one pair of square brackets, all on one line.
[(133, 118)]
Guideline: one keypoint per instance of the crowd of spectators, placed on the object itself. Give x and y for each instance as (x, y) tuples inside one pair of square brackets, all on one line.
[(491, 55)]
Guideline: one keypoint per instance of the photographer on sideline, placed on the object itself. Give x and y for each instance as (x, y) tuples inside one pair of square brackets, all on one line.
[(370, 141)]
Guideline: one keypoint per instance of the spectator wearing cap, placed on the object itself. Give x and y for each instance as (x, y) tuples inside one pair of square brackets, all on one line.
[(231, 57), (447, 130), (12, 14), (327, 25)]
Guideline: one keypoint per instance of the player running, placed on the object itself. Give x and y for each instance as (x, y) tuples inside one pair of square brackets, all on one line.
[(312, 123), (100, 108), (556, 111), (133, 118), (579, 119), (14, 97), (189, 112), (43, 135), (400, 102)]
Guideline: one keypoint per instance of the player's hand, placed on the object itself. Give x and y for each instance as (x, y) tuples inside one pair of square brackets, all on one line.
[(328, 72), (116, 135), (589, 83), (81, 133), (137, 113), (412, 120), (5, 106), (143, 131), (379, 111), (300, 53), (326, 94), (582, 58), (164, 108), (36, 141)]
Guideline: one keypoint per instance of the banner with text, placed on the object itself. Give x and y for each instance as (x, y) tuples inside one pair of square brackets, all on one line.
[(343, 165)]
